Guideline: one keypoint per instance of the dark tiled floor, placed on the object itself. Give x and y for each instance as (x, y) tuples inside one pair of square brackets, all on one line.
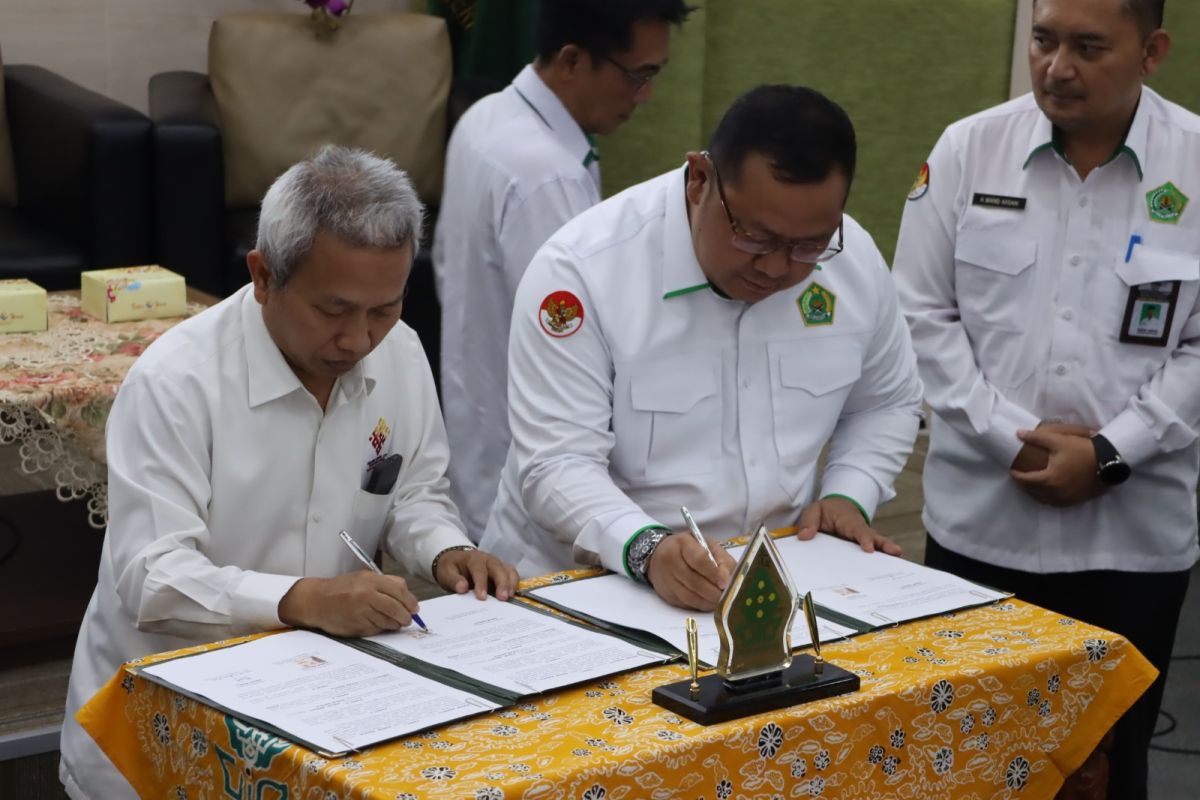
[(1176, 775)]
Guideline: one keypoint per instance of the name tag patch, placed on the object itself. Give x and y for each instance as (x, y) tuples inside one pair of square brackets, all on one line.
[(998, 201)]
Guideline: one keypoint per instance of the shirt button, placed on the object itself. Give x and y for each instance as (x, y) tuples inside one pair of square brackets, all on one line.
[(753, 461), (1068, 314), (316, 517), (1083, 201), (1061, 369), (1075, 261), (745, 383)]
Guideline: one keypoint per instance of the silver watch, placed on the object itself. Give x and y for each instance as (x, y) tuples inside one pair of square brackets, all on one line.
[(637, 558)]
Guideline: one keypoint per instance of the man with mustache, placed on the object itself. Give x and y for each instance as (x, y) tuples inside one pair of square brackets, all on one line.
[(696, 340), (1049, 269)]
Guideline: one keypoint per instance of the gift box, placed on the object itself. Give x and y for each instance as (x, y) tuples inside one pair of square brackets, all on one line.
[(22, 306), (125, 293)]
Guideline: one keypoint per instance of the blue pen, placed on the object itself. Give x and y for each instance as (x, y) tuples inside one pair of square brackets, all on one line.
[(363, 557), (1133, 240)]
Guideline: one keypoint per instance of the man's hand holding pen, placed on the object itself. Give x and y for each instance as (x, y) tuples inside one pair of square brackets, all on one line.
[(683, 572), (360, 603)]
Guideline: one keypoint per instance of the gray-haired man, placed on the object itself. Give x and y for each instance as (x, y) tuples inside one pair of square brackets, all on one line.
[(247, 437)]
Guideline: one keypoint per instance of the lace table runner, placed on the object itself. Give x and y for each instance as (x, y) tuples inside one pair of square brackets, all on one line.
[(56, 388)]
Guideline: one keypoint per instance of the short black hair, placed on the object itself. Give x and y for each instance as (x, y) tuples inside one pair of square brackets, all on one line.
[(802, 133), (1148, 13), (601, 27)]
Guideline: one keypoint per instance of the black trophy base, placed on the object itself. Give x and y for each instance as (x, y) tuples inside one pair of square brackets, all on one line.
[(716, 702)]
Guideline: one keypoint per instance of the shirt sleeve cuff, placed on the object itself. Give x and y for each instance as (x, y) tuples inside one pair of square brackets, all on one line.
[(855, 486), (1130, 436), (258, 596), (1001, 436), (617, 537)]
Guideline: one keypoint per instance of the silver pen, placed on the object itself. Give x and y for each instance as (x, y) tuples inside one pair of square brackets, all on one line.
[(364, 558), (697, 535)]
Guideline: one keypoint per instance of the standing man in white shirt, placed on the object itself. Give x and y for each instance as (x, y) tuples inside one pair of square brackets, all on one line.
[(696, 340), (521, 163), (244, 439), (1049, 269)]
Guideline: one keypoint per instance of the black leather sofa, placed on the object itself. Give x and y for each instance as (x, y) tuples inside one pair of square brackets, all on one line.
[(83, 181)]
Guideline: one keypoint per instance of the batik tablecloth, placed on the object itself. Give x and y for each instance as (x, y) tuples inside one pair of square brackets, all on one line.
[(56, 388), (1002, 701)]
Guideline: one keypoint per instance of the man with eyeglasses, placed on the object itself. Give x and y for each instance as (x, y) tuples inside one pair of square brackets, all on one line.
[(696, 341), (520, 164)]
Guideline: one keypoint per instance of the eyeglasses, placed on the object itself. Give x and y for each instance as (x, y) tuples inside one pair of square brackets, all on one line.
[(638, 77), (805, 252)]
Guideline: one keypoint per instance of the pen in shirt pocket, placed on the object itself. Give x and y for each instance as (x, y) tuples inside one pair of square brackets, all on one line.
[(1134, 240), (364, 558)]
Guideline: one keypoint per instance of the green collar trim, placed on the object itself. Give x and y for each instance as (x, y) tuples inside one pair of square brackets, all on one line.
[(688, 290), (1034, 152), (1127, 150), (593, 154), (1056, 144)]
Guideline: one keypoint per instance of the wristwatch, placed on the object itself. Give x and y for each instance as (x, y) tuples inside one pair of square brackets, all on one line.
[(637, 557), (1112, 469), (433, 567)]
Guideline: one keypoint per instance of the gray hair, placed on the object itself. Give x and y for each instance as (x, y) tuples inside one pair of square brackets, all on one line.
[(363, 200)]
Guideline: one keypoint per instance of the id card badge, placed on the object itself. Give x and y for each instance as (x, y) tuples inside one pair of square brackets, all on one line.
[(1149, 312)]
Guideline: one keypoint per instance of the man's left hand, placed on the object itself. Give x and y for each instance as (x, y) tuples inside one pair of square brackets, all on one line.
[(1069, 477), (840, 517), (460, 570)]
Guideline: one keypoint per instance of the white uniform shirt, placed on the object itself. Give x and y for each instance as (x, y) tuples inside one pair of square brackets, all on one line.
[(1015, 316), (227, 483), (667, 394), (515, 172)]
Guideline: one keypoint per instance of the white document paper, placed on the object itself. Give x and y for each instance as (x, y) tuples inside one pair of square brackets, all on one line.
[(874, 587), (512, 646), (616, 599), (318, 690)]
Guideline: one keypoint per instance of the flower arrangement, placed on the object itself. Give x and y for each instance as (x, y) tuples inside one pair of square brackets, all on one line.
[(327, 14)]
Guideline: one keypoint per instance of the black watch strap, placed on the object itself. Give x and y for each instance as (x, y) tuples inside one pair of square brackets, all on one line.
[(1110, 467)]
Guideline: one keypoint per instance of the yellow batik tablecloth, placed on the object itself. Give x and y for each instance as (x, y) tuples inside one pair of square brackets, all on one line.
[(1002, 701), (56, 388)]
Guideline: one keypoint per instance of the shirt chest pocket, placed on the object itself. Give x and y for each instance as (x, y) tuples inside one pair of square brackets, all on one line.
[(810, 384), (992, 279), (1146, 265), (368, 517), (676, 409)]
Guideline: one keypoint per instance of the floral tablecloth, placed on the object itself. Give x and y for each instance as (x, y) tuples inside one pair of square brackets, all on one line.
[(1002, 701), (56, 388)]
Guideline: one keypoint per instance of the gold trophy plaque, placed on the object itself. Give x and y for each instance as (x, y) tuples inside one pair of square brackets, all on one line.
[(756, 670)]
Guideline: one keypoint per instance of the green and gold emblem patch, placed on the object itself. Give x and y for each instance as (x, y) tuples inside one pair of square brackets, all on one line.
[(817, 305), (1166, 203)]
